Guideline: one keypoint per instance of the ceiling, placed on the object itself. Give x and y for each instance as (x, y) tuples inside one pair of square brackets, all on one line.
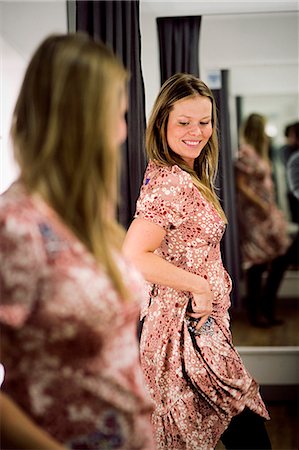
[(167, 8)]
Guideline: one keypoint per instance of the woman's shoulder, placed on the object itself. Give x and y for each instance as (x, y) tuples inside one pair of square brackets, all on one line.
[(166, 176), (28, 223), (16, 206), (14, 194), (248, 161), (247, 151), (28, 233)]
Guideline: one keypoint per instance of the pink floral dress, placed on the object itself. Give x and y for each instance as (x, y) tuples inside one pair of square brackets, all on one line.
[(198, 383), (263, 236), (70, 349)]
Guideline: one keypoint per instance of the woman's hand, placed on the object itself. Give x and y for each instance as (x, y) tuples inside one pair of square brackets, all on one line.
[(201, 305)]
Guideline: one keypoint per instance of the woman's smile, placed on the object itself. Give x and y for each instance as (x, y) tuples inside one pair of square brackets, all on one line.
[(190, 127)]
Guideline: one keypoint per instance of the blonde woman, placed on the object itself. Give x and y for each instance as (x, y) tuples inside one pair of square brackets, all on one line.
[(201, 389), (69, 301), (264, 239)]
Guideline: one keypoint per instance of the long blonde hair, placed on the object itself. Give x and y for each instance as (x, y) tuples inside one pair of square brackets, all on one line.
[(176, 88), (253, 133), (61, 130)]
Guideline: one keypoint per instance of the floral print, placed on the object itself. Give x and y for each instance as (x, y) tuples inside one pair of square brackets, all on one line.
[(70, 348), (263, 236), (198, 382)]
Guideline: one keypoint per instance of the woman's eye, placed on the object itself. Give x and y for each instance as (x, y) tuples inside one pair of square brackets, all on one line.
[(204, 123), (183, 123)]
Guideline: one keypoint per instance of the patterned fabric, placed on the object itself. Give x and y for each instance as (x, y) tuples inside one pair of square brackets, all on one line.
[(69, 342), (263, 236), (198, 383)]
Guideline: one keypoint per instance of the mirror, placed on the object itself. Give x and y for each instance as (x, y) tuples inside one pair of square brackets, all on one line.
[(279, 110), (263, 79), (258, 45)]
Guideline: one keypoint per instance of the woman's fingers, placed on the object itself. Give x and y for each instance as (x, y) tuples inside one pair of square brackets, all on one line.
[(199, 318), (202, 322), (201, 305), (198, 315)]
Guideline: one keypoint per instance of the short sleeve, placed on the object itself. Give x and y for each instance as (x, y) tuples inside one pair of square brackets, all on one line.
[(165, 197), (21, 262)]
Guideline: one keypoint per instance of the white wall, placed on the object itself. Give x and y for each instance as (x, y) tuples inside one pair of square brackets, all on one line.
[(23, 25), (149, 57), (261, 53), (260, 49), (249, 39)]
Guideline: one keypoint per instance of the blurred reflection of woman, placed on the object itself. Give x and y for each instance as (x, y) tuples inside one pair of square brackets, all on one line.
[(262, 226)]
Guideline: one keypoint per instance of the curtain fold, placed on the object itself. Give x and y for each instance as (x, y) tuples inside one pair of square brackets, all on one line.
[(178, 45), (116, 23), (226, 189)]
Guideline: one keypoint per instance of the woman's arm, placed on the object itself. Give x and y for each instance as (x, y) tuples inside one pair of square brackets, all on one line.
[(18, 431), (250, 194), (142, 239)]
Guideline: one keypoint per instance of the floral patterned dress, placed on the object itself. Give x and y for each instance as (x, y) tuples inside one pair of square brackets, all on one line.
[(198, 383), (263, 236), (70, 347)]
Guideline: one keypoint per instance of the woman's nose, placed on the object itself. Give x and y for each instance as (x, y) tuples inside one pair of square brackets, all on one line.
[(195, 130)]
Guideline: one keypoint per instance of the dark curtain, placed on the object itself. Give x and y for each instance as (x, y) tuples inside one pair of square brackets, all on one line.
[(226, 188), (178, 44), (179, 52), (116, 23)]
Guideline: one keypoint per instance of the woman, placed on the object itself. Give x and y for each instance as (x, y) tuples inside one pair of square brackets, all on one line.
[(69, 300), (262, 227), (194, 374)]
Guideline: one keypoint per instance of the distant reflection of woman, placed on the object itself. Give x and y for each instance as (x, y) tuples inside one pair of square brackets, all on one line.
[(262, 226)]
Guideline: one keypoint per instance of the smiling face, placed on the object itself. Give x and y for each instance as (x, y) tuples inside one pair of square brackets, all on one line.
[(190, 127)]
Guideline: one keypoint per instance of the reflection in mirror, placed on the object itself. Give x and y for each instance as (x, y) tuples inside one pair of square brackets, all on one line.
[(263, 66), (279, 110), (263, 71), (268, 245)]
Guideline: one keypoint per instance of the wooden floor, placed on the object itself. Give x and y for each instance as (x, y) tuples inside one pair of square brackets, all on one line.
[(283, 426), (244, 334)]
